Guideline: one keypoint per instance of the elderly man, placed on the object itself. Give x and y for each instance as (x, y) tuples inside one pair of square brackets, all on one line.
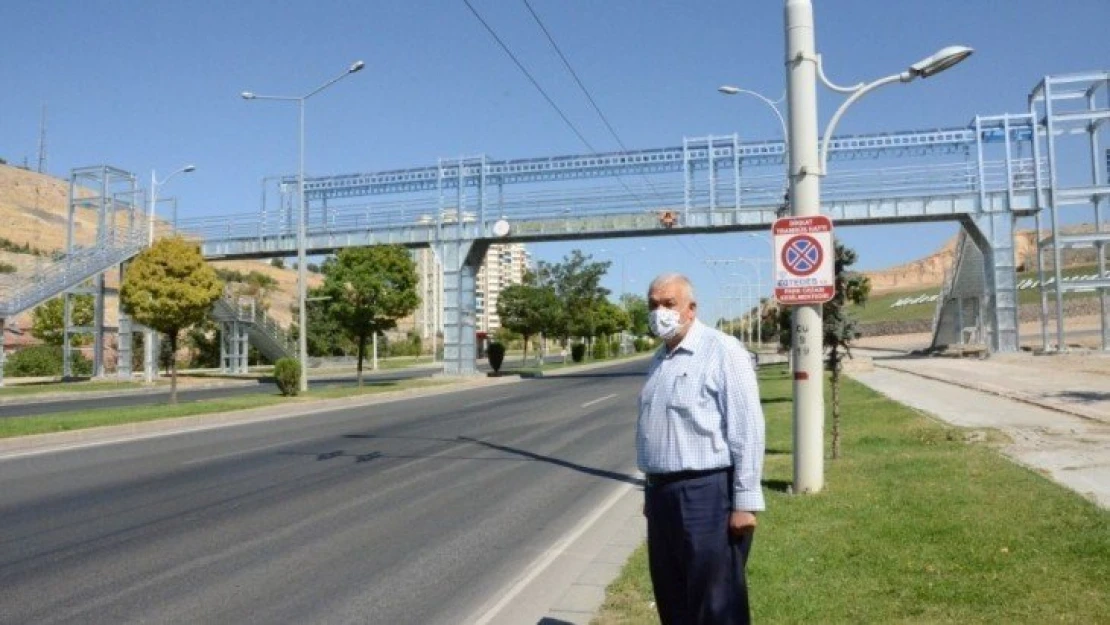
[(700, 442)]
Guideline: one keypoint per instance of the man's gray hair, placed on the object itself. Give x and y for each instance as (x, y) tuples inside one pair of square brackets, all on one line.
[(674, 278)]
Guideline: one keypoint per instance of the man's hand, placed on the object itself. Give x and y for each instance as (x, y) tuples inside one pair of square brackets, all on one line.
[(741, 522)]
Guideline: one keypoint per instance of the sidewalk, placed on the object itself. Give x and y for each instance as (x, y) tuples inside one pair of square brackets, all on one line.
[(1055, 409)]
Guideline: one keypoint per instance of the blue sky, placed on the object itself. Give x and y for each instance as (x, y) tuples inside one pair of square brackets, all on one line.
[(154, 85)]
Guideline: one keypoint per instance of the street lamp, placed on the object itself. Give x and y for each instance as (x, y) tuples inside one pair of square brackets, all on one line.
[(732, 90), (302, 276), (807, 165), (154, 184), (149, 366)]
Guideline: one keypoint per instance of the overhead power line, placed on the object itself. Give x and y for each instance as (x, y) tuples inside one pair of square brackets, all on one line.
[(582, 86), (534, 82), (562, 115)]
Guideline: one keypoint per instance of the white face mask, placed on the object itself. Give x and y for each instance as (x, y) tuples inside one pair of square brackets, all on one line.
[(664, 323)]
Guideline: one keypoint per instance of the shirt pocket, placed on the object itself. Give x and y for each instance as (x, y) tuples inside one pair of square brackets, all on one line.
[(683, 396)]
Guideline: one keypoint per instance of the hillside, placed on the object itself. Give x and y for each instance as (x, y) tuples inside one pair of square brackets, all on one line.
[(930, 271), (33, 211)]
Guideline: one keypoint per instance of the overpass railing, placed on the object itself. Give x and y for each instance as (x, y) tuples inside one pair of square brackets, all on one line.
[(757, 192)]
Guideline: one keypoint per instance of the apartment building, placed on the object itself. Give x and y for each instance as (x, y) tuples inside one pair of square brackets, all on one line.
[(505, 265)]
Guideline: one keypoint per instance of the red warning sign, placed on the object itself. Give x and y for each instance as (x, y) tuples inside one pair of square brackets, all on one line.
[(804, 267)]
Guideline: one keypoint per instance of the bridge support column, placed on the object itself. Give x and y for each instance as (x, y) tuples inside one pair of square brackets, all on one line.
[(461, 259), (993, 234), (233, 347), (3, 335), (124, 345)]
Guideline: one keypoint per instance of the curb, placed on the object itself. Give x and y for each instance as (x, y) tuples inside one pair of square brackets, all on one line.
[(1000, 392), (35, 398)]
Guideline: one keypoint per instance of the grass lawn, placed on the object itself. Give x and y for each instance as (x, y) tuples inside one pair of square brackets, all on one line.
[(915, 526), (76, 420)]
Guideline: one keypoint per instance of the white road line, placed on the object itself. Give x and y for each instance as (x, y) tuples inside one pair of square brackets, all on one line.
[(550, 555), (598, 400), (235, 453)]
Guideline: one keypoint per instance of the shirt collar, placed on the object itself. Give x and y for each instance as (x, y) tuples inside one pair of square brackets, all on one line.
[(691, 342)]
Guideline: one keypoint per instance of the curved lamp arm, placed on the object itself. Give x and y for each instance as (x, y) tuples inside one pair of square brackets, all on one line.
[(830, 84), (856, 95)]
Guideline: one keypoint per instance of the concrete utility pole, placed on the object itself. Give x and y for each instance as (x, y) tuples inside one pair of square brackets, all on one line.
[(807, 163), (809, 400)]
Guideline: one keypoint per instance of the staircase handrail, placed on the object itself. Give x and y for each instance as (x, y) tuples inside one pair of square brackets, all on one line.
[(70, 270)]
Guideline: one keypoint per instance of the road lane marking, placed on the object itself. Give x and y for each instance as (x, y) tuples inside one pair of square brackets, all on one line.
[(598, 400), (540, 564)]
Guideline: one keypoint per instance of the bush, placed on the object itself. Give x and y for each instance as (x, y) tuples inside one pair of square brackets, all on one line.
[(43, 361), (496, 355), (615, 347), (287, 372), (644, 344), (578, 352), (277, 262), (410, 346), (601, 349)]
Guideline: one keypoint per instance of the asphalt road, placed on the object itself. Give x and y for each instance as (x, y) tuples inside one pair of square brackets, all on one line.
[(417, 511), (30, 406)]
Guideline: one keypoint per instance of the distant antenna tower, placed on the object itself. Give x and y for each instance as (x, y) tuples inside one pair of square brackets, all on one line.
[(42, 141)]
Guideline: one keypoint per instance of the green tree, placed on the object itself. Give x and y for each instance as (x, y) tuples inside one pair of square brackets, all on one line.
[(637, 309), (839, 327), (170, 287), (48, 319), (577, 284), (370, 289), (609, 319), (528, 310)]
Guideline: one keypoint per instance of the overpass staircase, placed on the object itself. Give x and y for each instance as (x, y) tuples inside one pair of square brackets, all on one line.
[(243, 322)]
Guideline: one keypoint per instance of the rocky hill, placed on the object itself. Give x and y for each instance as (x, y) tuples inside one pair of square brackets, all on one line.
[(931, 270)]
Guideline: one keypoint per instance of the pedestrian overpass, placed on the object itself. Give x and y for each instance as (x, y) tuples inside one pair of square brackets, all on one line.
[(984, 176)]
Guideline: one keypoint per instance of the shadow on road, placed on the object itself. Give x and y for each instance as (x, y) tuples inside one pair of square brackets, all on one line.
[(1085, 397), (610, 475)]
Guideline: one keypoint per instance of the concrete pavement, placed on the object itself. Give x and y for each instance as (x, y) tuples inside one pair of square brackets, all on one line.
[(1055, 409)]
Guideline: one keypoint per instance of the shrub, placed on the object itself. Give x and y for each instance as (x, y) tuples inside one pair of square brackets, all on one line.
[(644, 344), (578, 352), (615, 347), (287, 372), (601, 349), (43, 361), (496, 355), (277, 262)]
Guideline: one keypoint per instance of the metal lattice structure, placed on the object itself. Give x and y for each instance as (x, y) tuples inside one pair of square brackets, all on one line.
[(1073, 111), (981, 175)]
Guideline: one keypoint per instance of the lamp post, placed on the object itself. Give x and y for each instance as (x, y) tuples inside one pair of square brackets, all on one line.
[(773, 104), (302, 276), (149, 365), (758, 298), (807, 164)]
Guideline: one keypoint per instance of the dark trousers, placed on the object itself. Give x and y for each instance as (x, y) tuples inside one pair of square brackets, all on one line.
[(697, 568)]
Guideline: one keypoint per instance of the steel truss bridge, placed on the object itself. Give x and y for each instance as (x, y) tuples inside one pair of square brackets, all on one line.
[(984, 175)]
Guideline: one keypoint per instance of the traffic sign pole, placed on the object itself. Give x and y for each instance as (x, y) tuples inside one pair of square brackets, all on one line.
[(809, 400)]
